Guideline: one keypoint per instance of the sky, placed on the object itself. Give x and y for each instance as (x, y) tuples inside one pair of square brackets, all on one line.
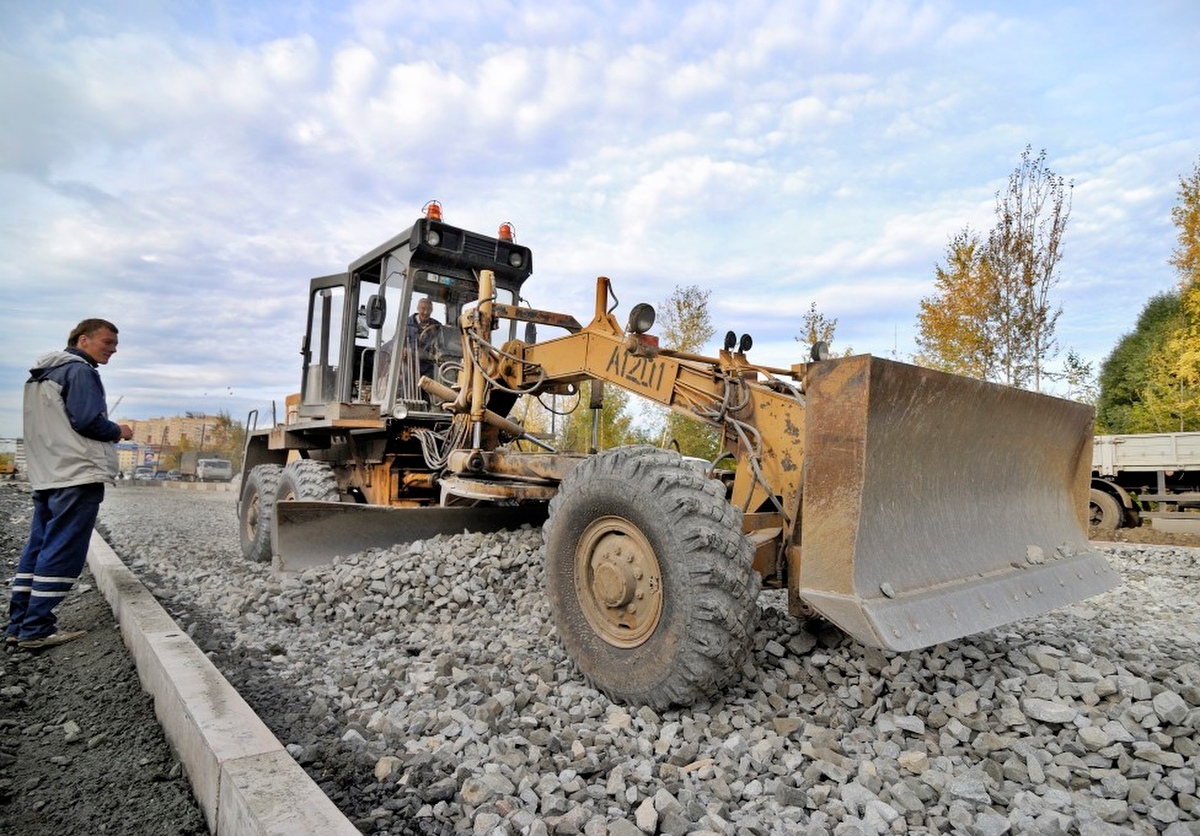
[(183, 169)]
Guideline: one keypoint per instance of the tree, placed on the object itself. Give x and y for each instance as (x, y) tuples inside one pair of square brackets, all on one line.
[(955, 326), (1081, 383), (992, 315), (1183, 374), (1151, 381), (228, 438), (1175, 372), (687, 326), (817, 327), (1186, 217), (536, 418), (1125, 375), (616, 424), (1023, 250)]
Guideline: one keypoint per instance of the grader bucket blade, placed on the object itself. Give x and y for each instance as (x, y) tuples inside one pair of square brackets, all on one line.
[(936, 506), (311, 534)]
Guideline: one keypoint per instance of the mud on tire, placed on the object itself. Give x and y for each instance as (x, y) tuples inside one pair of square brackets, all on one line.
[(618, 518)]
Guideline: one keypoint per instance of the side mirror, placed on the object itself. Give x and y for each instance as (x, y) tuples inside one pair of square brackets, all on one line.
[(376, 311), (531, 332)]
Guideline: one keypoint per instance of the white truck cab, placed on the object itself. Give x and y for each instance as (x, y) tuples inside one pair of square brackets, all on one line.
[(214, 470)]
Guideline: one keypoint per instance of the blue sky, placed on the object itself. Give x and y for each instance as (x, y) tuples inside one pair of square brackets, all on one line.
[(183, 169)]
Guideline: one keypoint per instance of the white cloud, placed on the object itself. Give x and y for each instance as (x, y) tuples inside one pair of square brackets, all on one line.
[(776, 152)]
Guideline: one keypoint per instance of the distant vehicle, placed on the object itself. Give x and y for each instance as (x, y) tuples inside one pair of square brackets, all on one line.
[(1145, 476), (174, 476), (143, 474), (189, 460), (214, 470)]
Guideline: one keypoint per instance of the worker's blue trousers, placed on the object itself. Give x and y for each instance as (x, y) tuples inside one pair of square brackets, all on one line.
[(63, 519)]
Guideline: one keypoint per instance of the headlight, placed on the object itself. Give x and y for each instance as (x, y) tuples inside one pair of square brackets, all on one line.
[(641, 318), (515, 259), (433, 238)]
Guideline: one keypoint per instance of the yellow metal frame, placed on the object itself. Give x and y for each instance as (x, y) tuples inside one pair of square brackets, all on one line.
[(723, 392)]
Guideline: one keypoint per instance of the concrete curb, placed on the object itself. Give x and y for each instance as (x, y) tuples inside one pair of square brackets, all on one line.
[(243, 778)]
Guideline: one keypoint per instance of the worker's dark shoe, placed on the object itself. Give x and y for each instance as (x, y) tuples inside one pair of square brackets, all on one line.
[(52, 640)]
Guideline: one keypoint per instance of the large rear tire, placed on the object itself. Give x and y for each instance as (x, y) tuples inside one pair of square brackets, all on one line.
[(256, 509), (650, 579), (1104, 511), (308, 480)]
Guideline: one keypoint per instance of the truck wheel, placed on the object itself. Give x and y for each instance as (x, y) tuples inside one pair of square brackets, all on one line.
[(1104, 512), (257, 506), (308, 480), (650, 578)]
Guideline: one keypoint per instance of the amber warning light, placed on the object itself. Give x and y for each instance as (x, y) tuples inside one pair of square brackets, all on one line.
[(506, 232), (433, 210)]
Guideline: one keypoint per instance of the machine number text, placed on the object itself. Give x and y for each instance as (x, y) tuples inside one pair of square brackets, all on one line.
[(643, 371)]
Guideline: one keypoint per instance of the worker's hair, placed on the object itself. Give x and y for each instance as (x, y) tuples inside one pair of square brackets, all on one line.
[(87, 328)]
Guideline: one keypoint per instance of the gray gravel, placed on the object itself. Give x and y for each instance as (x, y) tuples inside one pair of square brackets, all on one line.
[(436, 668)]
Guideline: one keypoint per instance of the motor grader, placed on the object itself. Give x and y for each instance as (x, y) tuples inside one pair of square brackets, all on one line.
[(906, 506)]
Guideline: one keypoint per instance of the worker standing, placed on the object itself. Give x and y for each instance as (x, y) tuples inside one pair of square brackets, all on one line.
[(70, 457)]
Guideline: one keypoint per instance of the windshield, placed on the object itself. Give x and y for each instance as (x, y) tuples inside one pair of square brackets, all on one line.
[(428, 334)]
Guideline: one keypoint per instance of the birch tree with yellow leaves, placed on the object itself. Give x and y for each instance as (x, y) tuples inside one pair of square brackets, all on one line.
[(993, 315)]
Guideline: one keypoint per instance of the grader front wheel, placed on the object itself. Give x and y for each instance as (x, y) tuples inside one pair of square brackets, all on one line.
[(256, 508), (650, 579)]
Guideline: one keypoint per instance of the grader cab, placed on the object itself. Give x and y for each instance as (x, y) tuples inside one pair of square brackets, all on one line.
[(906, 506)]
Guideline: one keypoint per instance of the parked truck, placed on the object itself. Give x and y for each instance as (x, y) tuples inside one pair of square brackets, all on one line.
[(1148, 476), (189, 459), (904, 505), (214, 470)]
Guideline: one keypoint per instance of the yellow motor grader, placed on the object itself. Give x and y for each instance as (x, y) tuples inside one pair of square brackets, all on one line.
[(906, 506)]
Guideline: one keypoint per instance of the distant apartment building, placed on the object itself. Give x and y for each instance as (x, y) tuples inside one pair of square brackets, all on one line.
[(159, 440), (155, 441), (129, 456)]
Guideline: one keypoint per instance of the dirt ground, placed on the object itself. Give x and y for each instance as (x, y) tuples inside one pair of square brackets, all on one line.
[(1145, 534), (80, 748)]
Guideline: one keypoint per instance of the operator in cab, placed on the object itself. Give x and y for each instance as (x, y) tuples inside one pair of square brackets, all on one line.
[(417, 359)]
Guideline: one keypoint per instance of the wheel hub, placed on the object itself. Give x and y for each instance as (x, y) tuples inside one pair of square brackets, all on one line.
[(618, 582)]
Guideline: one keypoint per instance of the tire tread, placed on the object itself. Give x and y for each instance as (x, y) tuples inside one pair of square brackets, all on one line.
[(722, 610)]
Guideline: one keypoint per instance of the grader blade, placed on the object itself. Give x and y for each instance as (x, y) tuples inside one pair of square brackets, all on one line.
[(935, 506), (308, 534)]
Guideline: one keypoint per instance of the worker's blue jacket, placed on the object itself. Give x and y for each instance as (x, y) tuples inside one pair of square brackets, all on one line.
[(68, 437)]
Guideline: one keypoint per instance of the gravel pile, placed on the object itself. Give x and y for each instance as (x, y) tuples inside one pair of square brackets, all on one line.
[(428, 681)]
